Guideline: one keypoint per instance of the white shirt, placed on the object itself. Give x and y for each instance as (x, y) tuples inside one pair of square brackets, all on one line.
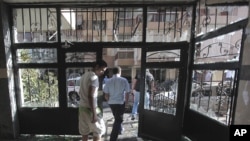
[(208, 76), (87, 80), (116, 87), (230, 74)]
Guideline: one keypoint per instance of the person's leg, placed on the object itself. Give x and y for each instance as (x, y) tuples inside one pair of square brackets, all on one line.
[(135, 105), (98, 128), (83, 120), (84, 137), (116, 127), (118, 111), (146, 100), (97, 138)]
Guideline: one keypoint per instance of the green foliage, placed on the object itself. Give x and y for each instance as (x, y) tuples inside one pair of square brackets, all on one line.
[(24, 55), (40, 89)]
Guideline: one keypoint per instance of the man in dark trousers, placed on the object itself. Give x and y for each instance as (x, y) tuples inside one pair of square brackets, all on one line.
[(116, 93)]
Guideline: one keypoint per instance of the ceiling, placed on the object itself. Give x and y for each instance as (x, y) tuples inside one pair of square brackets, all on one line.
[(87, 1), (41, 1)]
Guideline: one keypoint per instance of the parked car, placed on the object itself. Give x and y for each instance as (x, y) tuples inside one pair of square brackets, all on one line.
[(204, 89), (73, 86)]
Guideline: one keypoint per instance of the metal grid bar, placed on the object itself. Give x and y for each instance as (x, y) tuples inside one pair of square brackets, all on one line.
[(182, 15), (165, 14), (175, 24), (76, 23)]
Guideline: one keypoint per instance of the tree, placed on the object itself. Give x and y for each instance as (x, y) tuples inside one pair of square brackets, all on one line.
[(40, 88)]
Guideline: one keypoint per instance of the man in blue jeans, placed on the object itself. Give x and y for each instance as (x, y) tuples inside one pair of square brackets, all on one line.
[(136, 92), (149, 86), (116, 93), (149, 89)]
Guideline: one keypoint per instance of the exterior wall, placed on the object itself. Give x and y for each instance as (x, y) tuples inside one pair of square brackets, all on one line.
[(243, 101), (8, 115)]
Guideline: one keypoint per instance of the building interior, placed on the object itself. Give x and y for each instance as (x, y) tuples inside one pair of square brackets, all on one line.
[(197, 51)]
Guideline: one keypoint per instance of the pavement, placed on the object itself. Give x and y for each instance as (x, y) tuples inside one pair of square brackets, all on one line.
[(130, 126)]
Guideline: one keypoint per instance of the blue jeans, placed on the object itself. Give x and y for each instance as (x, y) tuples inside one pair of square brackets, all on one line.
[(146, 100), (136, 102)]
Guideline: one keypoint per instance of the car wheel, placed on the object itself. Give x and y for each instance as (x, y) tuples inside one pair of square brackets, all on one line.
[(73, 96), (194, 94)]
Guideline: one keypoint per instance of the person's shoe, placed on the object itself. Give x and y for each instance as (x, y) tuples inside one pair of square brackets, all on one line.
[(133, 117), (120, 132)]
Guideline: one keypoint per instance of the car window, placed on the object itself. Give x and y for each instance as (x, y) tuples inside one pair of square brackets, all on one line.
[(71, 83), (77, 82)]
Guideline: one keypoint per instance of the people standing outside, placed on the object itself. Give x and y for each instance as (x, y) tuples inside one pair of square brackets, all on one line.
[(135, 89), (90, 116), (105, 79), (149, 88), (116, 93)]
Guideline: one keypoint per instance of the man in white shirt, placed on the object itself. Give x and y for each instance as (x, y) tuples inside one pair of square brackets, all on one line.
[(90, 119), (116, 93)]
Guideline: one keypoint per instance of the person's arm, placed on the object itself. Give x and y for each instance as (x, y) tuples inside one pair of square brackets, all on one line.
[(152, 86), (105, 91), (133, 85), (92, 105), (127, 92), (150, 78), (106, 96), (126, 98)]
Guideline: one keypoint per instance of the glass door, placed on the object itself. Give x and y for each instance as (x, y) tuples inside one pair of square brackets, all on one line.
[(165, 71)]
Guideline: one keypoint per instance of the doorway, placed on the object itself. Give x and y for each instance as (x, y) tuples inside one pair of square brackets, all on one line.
[(164, 99), (138, 37), (165, 103)]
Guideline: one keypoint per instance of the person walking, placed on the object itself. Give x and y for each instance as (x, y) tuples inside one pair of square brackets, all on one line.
[(149, 89), (136, 92), (90, 116), (116, 93)]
